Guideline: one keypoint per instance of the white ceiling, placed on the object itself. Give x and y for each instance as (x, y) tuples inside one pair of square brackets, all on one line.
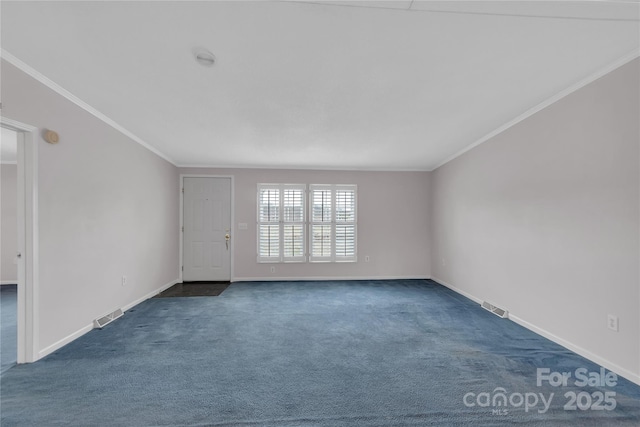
[(395, 85), (8, 146)]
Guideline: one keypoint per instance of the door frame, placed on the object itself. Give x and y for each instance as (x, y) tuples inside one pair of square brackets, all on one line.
[(181, 252), (28, 239)]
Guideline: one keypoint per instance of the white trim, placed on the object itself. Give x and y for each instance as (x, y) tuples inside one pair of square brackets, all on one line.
[(28, 265), (456, 290), (68, 95), (544, 104), (8, 282), (16, 125), (324, 278), (150, 295), (23, 354), (631, 376), (281, 258), (333, 223), (88, 328), (80, 103), (32, 246), (64, 341), (304, 168), (181, 224)]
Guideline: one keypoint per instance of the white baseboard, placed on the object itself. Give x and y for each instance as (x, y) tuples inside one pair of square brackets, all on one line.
[(579, 350), (631, 376), (80, 332), (8, 282), (459, 291), (150, 295), (323, 278), (64, 341)]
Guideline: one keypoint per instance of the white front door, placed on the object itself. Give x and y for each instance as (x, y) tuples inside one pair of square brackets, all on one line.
[(207, 229)]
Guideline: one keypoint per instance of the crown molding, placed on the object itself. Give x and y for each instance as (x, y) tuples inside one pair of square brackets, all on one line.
[(557, 97), (11, 59), (301, 168)]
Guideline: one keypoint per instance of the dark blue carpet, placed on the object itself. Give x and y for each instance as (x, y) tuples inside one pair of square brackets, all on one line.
[(8, 326), (383, 353)]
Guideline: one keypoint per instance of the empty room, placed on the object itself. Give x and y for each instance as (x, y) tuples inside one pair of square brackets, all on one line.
[(320, 213)]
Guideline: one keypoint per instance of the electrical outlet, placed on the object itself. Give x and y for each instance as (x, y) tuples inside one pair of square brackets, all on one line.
[(366, 258), (444, 262), (124, 280), (612, 322), (273, 269)]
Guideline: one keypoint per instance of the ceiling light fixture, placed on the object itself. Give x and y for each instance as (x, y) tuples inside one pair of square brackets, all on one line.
[(205, 58)]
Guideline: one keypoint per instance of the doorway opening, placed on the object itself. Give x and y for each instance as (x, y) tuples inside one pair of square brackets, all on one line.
[(8, 249), (26, 232)]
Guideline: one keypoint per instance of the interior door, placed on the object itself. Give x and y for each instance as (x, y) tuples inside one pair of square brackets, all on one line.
[(207, 229)]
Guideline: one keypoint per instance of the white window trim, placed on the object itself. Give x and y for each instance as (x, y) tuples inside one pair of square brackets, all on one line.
[(281, 258), (332, 257)]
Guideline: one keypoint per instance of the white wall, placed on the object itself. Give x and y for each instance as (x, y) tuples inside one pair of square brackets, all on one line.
[(107, 207), (392, 225), (543, 220), (9, 223)]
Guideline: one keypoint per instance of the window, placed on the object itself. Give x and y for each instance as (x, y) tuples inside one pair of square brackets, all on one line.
[(281, 222), (333, 223)]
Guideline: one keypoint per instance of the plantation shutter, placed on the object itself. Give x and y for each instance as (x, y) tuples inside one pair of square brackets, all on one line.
[(268, 223), (321, 226), (281, 222), (293, 223), (345, 223), (332, 223)]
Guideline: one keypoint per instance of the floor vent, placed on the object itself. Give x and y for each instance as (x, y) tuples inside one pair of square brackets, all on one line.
[(495, 310), (105, 320)]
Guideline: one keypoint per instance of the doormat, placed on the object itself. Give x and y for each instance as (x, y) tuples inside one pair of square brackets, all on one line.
[(194, 289)]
